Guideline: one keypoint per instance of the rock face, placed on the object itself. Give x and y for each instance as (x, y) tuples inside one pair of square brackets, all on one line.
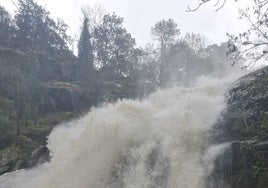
[(245, 124), (11, 159), (6, 157)]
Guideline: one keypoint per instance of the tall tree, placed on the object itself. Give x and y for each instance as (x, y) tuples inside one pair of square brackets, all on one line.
[(89, 79), (115, 48), (85, 51), (165, 32), (117, 58)]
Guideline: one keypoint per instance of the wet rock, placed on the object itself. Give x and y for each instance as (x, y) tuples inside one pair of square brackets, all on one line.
[(39, 156), (245, 123), (12, 158), (4, 169)]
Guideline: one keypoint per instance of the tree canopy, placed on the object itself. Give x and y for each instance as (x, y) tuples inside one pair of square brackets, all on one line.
[(115, 47), (36, 29)]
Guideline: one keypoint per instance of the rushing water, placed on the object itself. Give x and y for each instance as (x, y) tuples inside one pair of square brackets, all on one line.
[(161, 141)]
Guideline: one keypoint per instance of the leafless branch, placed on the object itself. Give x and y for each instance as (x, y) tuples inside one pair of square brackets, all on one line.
[(221, 5), (204, 2), (198, 6), (14, 4)]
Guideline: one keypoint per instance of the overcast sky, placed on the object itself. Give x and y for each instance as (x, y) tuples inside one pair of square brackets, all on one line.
[(141, 15)]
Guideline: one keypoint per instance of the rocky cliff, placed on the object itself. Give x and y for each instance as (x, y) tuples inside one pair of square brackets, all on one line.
[(245, 125), (36, 93)]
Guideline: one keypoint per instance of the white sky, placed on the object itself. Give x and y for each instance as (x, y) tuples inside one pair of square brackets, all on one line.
[(141, 15)]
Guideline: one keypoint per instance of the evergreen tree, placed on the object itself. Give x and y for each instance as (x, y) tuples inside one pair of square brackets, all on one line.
[(85, 52), (87, 74)]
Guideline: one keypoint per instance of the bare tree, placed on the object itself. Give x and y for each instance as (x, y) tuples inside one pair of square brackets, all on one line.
[(94, 14), (197, 42), (251, 45)]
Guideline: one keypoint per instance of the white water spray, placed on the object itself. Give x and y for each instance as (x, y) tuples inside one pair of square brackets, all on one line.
[(158, 142)]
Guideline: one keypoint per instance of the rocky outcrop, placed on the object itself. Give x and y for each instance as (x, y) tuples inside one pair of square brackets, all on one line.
[(12, 158), (245, 124), (6, 157), (243, 165)]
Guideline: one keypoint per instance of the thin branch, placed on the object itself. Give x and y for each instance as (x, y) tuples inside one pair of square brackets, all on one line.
[(256, 27), (218, 1), (198, 6), (204, 2), (255, 60), (264, 14), (14, 4), (221, 5), (255, 45)]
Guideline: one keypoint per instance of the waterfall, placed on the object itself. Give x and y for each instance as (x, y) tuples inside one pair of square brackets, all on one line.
[(161, 141)]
